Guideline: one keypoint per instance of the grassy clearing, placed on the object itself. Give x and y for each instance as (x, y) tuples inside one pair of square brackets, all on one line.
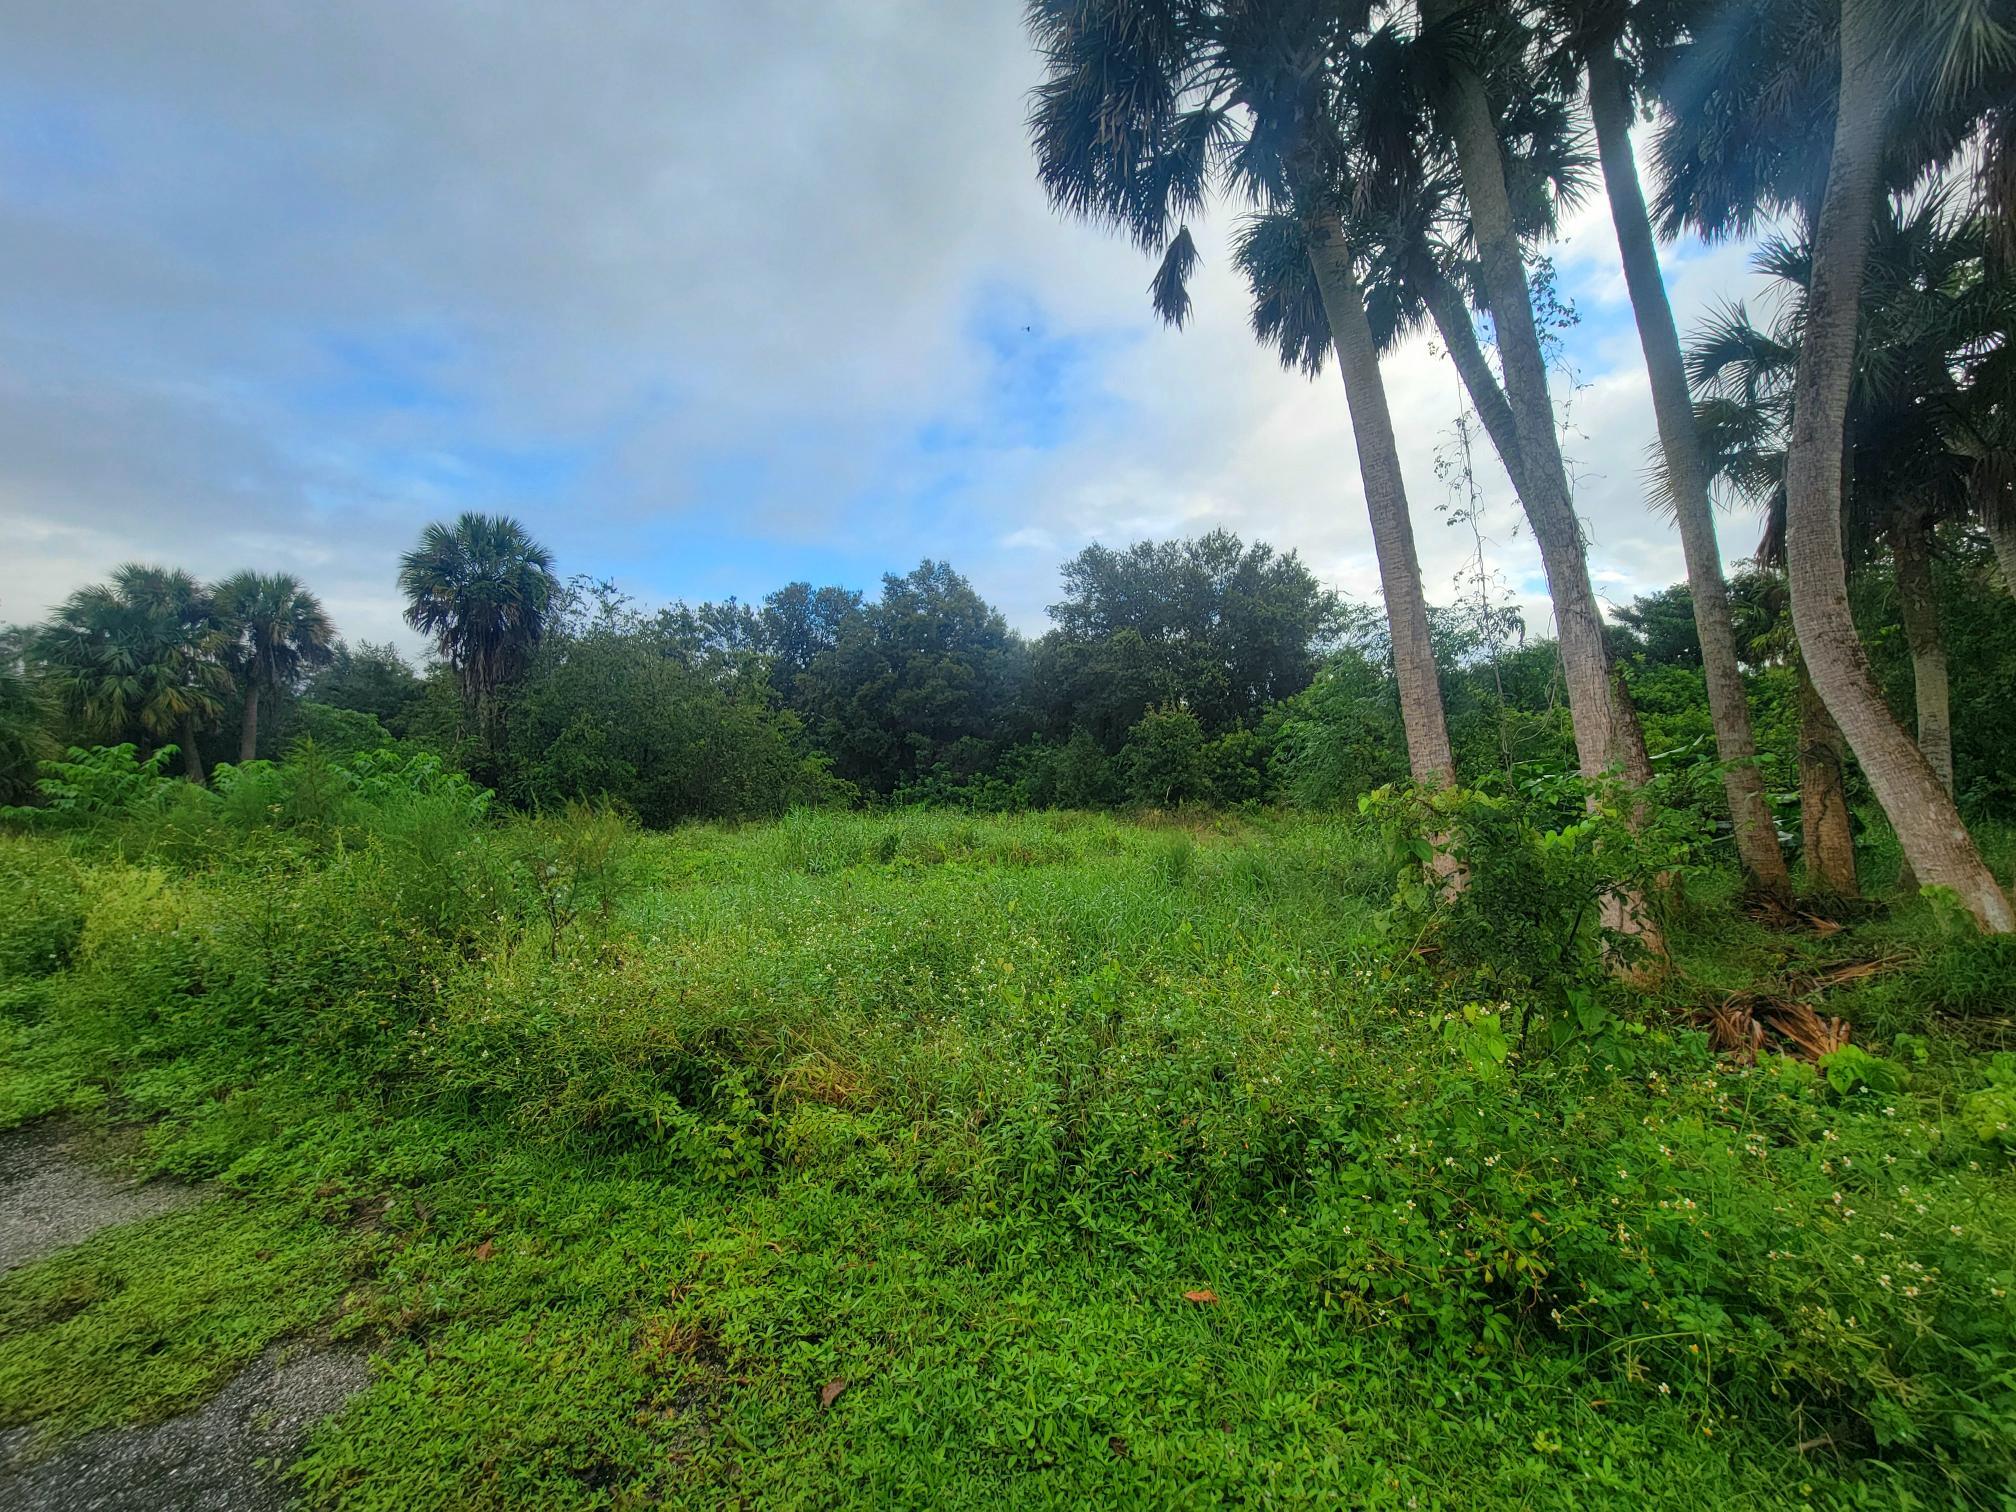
[(626, 1150)]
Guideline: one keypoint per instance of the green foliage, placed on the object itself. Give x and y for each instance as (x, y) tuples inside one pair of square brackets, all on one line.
[(370, 679), (620, 1147), (605, 713), (339, 731), (1221, 628), (1165, 758), (927, 675), (144, 1321), (96, 784), (1534, 920), (1853, 1069), (24, 737), (1342, 737), (1989, 1113)]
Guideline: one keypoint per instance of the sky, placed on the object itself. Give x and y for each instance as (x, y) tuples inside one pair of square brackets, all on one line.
[(713, 297)]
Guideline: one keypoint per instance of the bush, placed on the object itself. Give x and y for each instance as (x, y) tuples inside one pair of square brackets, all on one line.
[(1165, 759), (1542, 870)]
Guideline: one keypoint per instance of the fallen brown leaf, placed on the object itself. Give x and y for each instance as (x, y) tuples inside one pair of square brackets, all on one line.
[(831, 1390), (1201, 1298)]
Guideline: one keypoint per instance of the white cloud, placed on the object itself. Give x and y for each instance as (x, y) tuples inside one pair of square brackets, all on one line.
[(287, 281)]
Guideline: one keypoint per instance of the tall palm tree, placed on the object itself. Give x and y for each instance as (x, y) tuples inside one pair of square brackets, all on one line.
[(24, 737), (1149, 110), (1910, 465), (482, 588), (137, 655), (1909, 85), (1430, 263), (278, 634), (1458, 38), (1610, 42), (1921, 810)]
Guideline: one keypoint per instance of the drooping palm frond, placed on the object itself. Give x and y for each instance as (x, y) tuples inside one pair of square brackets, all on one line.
[(1272, 251), (1169, 289), (1748, 111), (1728, 357)]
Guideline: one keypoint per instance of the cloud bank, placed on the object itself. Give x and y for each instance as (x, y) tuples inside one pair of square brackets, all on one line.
[(713, 297)]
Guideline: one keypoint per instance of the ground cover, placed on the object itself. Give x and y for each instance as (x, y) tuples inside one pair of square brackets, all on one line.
[(917, 1159)]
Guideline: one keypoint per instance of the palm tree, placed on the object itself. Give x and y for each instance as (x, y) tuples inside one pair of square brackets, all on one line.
[(1456, 39), (482, 588), (1911, 85), (279, 634), (1925, 307), (24, 719), (138, 654), (1592, 37), (1408, 212), (1146, 112), (1921, 810)]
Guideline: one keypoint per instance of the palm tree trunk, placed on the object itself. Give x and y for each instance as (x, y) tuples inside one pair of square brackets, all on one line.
[(1687, 474), (1918, 608), (1452, 320), (192, 757), (1607, 737), (1920, 810), (1421, 714), (1825, 836), (1998, 518), (1601, 741), (248, 728), (1451, 313)]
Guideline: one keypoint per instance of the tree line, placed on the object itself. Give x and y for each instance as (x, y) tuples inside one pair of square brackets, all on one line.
[(1208, 671), (1399, 163)]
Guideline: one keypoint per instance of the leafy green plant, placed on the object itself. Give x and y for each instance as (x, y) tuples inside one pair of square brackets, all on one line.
[(1989, 1114), (1853, 1069), (91, 784)]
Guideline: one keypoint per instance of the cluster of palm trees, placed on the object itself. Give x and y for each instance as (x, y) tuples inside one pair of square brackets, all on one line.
[(1398, 163), (155, 655)]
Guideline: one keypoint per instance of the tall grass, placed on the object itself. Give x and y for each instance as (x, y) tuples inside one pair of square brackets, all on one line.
[(1103, 1162)]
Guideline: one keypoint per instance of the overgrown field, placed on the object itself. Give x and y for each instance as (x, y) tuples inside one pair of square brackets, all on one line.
[(917, 1160)]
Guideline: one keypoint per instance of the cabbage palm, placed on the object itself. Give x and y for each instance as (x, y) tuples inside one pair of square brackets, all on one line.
[(1611, 43), (482, 588), (1462, 45), (1149, 110), (138, 655), (24, 739), (278, 635), (1909, 84), (1912, 415)]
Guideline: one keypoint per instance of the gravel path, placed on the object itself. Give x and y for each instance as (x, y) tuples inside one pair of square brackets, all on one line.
[(50, 1199), (225, 1456)]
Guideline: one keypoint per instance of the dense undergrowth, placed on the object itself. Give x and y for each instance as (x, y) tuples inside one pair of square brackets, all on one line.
[(918, 1159)]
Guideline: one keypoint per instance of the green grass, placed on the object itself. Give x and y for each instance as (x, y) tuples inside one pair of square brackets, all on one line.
[(620, 1149)]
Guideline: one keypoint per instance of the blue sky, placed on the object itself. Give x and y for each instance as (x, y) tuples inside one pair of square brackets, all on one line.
[(712, 300)]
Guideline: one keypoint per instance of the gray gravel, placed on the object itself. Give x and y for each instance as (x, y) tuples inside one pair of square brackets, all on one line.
[(226, 1456), (50, 1198)]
